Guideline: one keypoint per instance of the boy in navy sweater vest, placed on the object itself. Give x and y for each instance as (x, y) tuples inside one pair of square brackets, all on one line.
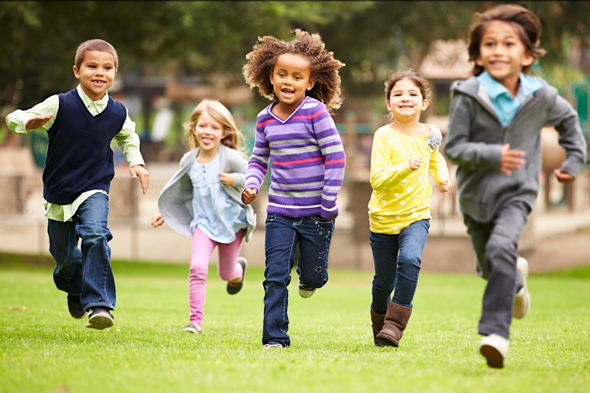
[(79, 167)]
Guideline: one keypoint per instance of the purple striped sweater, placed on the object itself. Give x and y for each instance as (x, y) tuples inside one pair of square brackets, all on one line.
[(307, 161)]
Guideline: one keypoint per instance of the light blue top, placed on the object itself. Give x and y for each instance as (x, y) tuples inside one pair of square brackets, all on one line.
[(505, 105), (216, 214)]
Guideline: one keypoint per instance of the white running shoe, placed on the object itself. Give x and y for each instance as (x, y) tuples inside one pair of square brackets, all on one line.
[(495, 349), (522, 300)]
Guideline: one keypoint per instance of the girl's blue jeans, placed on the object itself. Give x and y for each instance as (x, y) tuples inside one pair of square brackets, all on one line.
[(393, 272), (312, 235), (84, 271)]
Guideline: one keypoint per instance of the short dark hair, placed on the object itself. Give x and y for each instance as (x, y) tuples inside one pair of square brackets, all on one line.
[(94, 44), (323, 66), (525, 23), (421, 83)]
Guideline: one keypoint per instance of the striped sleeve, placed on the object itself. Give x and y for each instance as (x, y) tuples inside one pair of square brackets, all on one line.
[(334, 160), (258, 163)]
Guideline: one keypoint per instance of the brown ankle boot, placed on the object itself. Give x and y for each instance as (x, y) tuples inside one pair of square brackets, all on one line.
[(377, 321), (396, 320)]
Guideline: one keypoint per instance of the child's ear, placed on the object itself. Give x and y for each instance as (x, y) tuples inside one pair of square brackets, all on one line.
[(76, 72), (311, 84), (388, 105), (528, 60), (478, 61), (424, 105)]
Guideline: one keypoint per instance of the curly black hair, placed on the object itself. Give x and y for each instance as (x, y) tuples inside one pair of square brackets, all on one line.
[(323, 66)]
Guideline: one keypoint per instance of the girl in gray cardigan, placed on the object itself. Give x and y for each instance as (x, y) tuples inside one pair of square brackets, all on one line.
[(203, 200)]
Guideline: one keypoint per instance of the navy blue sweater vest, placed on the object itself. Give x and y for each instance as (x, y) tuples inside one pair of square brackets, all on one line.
[(79, 155)]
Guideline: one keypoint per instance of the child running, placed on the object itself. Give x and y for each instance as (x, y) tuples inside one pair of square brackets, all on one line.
[(79, 167), (494, 138), (404, 153), (202, 200), (296, 133)]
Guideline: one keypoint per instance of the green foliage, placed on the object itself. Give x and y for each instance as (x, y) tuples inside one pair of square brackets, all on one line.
[(209, 39), (44, 350)]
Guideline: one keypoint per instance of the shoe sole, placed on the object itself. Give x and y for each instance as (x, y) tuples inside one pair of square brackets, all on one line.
[(492, 355), (99, 322), (526, 298), (235, 287)]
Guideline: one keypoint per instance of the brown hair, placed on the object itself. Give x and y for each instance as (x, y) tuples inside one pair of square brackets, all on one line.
[(323, 66), (524, 22), (215, 109), (421, 83), (94, 44)]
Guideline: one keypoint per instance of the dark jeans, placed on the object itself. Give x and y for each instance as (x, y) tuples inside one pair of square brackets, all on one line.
[(393, 272), (86, 272), (312, 235), (495, 245)]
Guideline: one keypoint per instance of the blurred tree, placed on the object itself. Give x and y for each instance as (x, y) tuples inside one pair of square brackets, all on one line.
[(205, 38), (211, 38)]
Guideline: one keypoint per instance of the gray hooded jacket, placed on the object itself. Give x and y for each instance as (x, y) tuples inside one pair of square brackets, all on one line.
[(176, 199), (474, 143)]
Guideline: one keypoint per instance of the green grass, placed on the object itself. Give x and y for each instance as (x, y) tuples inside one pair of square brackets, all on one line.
[(43, 349)]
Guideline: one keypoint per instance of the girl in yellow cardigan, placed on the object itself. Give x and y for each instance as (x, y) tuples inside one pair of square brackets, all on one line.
[(404, 153)]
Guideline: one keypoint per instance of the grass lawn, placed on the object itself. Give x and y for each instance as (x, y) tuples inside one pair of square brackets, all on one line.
[(43, 349)]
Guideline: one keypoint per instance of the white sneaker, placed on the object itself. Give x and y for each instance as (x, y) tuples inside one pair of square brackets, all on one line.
[(305, 291), (192, 328), (495, 349), (522, 300), (272, 346)]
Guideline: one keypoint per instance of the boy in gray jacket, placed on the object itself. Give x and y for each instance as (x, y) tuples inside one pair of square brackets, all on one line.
[(494, 139)]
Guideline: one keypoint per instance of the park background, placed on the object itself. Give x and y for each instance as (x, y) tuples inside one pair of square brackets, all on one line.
[(174, 54)]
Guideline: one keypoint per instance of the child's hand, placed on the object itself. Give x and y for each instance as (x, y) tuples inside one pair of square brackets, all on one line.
[(511, 160), (415, 162), (563, 177), (226, 178), (144, 177), (445, 186), (38, 121), (248, 195), (157, 220)]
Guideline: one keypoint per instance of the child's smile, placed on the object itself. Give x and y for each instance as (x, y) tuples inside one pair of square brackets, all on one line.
[(502, 54), (290, 80), (209, 133), (96, 73)]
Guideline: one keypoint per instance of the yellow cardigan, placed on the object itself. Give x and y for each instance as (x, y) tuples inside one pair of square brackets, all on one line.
[(402, 196)]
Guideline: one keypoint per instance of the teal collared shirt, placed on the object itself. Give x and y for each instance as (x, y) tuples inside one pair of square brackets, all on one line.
[(505, 105)]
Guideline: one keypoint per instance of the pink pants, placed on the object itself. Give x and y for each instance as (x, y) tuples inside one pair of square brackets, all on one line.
[(228, 268)]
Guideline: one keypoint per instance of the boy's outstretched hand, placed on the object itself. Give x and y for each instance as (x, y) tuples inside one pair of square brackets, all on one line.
[(445, 186), (248, 195), (144, 177), (563, 177), (511, 160), (157, 220), (38, 121)]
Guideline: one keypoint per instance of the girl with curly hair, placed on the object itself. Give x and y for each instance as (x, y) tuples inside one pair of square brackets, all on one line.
[(404, 153), (296, 133)]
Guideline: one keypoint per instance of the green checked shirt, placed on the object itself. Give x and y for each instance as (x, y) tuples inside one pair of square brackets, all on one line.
[(127, 140)]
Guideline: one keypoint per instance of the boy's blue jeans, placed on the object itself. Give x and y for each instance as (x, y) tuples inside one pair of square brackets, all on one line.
[(86, 272), (393, 272), (283, 234)]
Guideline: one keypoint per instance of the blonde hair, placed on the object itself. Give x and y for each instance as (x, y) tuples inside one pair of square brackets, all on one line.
[(233, 137), (97, 45)]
